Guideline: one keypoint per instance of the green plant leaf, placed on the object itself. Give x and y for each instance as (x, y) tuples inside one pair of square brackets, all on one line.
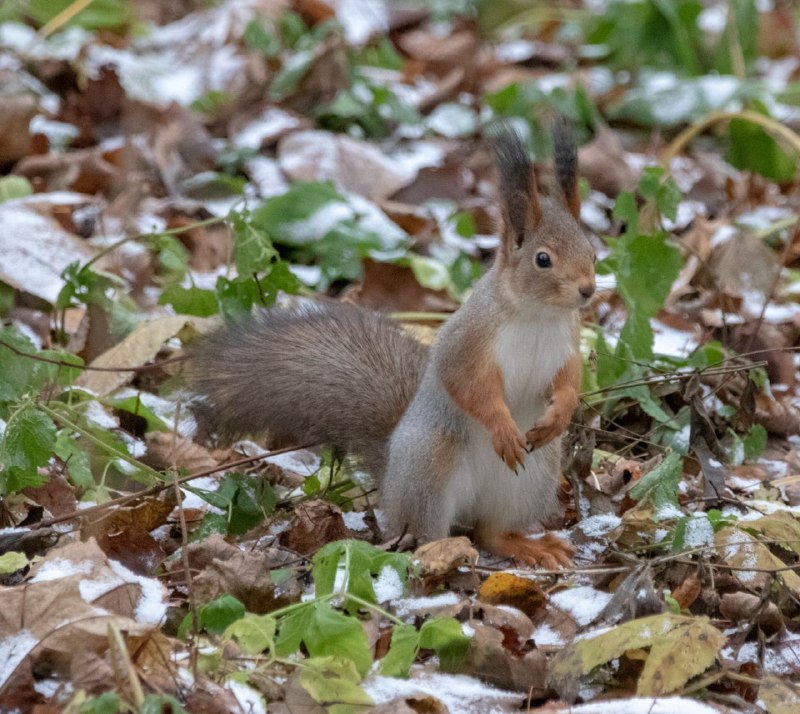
[(29, 440), (261, 37), (70, 452), (445, 636), (361, 562), (333, 681), (190, 301), (11, 562), (755, 442), (660, 484), (325, 632), (254, 633), (17, 370), (751, 148), (218, 615), (281, 215), (402, 651), (14, 187)]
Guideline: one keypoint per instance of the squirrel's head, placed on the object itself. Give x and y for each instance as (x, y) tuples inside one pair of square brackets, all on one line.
[(544, 257)]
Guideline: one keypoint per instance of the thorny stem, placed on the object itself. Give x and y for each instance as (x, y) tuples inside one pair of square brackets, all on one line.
[(55, 416), (122, 500), (87, 367), (769, 124), (144, 236)]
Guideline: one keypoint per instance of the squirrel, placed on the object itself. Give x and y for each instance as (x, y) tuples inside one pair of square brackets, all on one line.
[(466, 432)]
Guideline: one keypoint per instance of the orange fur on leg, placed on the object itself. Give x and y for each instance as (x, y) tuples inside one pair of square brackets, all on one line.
[(549, 551)]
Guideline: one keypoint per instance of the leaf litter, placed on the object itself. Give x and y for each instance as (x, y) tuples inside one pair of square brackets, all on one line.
[(163, 168)]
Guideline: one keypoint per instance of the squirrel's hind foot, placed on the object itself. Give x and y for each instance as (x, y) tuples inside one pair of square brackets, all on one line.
[(548, 552)]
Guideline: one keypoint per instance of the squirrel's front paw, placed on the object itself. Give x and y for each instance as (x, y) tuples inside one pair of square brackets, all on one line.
[(509, 444), (546, 429)]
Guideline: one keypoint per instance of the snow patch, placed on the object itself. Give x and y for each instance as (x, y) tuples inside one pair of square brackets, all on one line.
[(584, 603)]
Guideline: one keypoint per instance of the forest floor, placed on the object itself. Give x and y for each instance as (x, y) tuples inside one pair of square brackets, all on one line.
[(164, 167)]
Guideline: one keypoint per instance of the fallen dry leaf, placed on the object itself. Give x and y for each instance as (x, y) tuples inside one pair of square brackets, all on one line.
[(508, 589), (354, 166), (36, 249), (137, 348), (440, 557), (315, 523)]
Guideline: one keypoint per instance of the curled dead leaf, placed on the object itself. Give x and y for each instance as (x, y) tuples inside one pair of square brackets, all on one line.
[(441, 557)]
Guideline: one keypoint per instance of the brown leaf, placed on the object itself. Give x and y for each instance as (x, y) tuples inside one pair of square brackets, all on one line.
[(64, 613), (440, 557), (493, 663), (603, 164), (353, 165), (226, 568), (315, 523), (508, 589), (746, 607), (393, 288), (686, 593), (84, 171), (137, 348), (16, 112), (90, 672), (36, 249), (169, 450), (56, 495)]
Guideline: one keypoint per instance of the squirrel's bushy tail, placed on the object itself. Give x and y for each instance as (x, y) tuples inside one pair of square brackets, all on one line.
[(336, 374)]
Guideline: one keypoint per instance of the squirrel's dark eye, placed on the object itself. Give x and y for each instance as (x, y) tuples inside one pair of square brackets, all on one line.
[(543, 260)]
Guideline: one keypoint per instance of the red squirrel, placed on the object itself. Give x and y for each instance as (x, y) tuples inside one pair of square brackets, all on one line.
[(464, 433)]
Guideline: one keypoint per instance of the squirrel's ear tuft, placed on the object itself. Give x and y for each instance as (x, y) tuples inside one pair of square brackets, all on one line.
[(518, 193), (566, 163)]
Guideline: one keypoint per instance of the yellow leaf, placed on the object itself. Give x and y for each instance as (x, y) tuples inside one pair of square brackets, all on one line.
[(668, 666), (778, 696)]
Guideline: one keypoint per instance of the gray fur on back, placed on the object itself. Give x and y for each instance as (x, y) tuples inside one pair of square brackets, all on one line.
[(335, 374)]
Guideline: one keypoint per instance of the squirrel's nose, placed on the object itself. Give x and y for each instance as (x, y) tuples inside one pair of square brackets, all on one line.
[(586, 291)]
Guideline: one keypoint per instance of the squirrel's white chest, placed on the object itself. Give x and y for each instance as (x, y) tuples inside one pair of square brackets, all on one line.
[(529, 355)]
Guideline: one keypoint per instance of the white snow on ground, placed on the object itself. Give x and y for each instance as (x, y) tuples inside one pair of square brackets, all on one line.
[(13, 650), (60, 568), (641, 705), (408, 606), (584, 603), (388, 586), (458, 693), (247, 697)]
